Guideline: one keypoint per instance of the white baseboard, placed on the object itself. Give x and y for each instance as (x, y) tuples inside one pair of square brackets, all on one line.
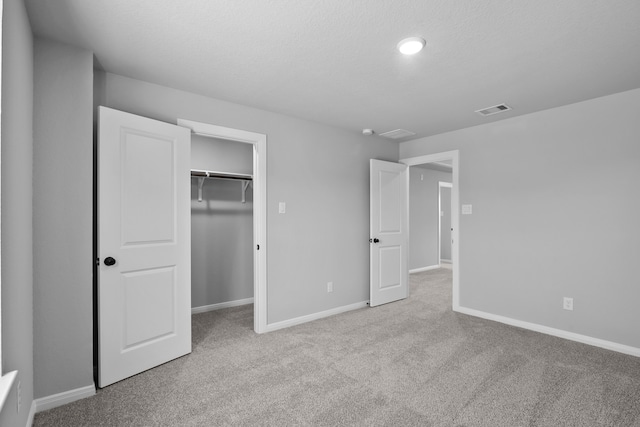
[(32, 414), (315, 316), (55, 400), (421, 269), (584, 339), (446, 261), (221, 305)]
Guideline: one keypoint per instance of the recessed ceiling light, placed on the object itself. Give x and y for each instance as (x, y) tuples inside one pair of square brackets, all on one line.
[(411, 45)]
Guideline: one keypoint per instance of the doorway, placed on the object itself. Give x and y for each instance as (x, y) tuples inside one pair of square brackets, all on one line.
[(451, 158), (258, 142), (221, 224)]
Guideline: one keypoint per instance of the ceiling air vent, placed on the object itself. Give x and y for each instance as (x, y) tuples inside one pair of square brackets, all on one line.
[(397, 134), (493, 110)]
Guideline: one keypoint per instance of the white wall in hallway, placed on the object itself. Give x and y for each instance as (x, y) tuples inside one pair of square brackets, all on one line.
[(423, 216)]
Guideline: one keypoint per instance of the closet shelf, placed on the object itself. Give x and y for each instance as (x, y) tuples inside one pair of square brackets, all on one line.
[(196, 173), (202, 175)]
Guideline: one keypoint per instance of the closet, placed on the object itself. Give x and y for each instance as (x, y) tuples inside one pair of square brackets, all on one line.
[(221, 223)]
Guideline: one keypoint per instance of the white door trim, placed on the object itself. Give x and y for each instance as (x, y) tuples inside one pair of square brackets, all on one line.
[(454, 156), (259, 142), (440, 185)]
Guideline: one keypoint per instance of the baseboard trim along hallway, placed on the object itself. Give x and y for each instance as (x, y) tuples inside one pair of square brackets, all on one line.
[(221, 305), (571, 336), (421, 269), (315, 316)]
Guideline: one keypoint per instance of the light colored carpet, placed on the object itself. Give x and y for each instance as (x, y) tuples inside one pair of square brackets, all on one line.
[(409, 363)]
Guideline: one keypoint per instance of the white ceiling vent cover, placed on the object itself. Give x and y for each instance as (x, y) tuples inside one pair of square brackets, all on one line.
[(493, 110), (397, 134)]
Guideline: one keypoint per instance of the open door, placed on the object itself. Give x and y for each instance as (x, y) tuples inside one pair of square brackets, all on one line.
[(144, 251), (389, 233)]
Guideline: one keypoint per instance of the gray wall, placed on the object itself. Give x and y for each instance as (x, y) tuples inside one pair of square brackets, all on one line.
[(445, 223), (221, 225), (17, 249), (62, 221), (552, 193), (423, 216), (322, 173)]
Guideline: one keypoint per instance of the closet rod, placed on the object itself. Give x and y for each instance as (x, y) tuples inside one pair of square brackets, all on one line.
[(220, 175)]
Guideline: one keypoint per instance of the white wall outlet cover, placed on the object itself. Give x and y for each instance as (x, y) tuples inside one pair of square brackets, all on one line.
[(467, 209)]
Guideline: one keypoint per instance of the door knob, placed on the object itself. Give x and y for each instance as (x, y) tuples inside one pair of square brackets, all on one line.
[(109, 261), (376, 240)]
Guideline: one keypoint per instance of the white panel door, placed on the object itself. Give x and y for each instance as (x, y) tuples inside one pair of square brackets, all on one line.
[(144, 249), (389, 221)]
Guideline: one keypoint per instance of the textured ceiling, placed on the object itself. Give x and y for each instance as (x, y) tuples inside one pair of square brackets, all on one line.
[(335, 61)]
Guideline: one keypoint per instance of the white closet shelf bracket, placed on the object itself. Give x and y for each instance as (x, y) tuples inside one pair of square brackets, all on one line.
[(245, 180), (245, 185), (200, 185)]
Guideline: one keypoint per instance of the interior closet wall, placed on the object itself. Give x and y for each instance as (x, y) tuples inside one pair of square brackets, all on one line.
[(423, 215), (221, 225)]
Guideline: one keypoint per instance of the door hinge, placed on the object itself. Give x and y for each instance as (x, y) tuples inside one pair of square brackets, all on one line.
[(97, 261)]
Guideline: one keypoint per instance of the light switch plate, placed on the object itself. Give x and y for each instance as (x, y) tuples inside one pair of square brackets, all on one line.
[(282, 207), (467, 209)]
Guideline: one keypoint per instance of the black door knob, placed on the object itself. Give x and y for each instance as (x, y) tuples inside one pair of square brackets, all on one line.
[(376, 240), (109, 261)]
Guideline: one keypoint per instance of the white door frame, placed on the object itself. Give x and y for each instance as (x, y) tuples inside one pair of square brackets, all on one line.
[(259, 142), (441, 184), (454, 156)]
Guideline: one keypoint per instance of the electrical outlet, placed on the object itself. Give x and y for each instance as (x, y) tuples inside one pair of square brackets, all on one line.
[(329, 286), (18, 396), (567, 303)]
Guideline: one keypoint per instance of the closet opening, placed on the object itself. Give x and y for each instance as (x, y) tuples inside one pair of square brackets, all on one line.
[(221, 224), (228, 220)]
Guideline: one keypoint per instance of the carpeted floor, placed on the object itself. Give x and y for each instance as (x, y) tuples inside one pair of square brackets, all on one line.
[(409, 363)]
